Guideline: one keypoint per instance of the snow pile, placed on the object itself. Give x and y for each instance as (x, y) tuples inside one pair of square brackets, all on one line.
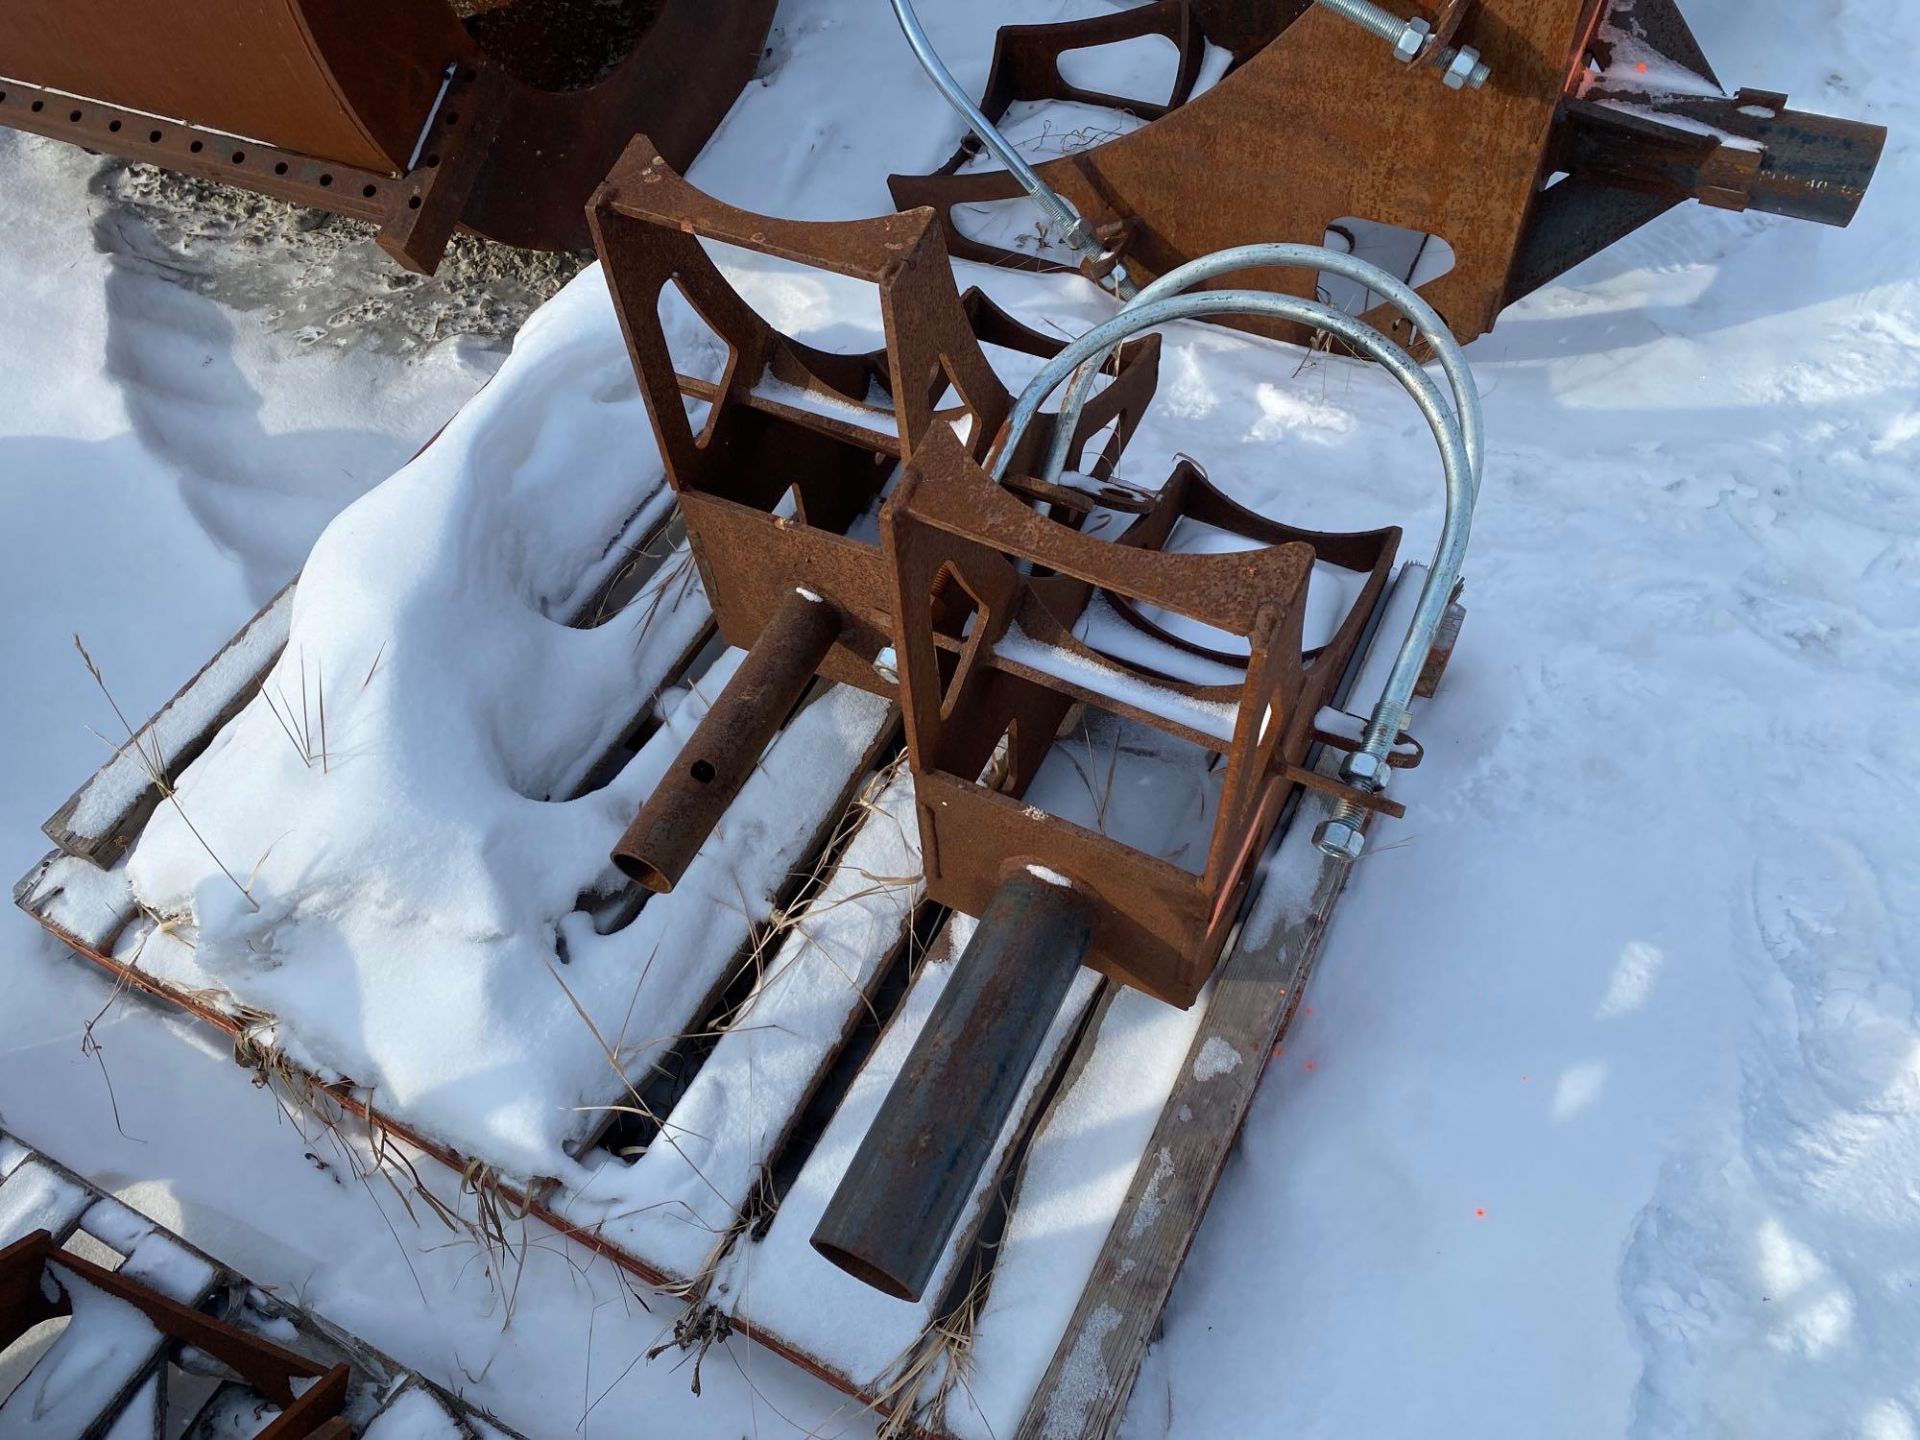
[(1612, 1116), (415, 875)]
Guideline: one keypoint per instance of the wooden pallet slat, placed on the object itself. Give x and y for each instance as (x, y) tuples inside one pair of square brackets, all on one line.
[(779, 1286), (99, 819), (104, 1375), (1074, 1181), (35, 1196), (144, 1415), (1253, 999), (676, 1207)]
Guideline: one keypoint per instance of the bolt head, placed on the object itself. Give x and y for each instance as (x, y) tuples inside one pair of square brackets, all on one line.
[(1340, 839), (1411, 39), (1369, 772)]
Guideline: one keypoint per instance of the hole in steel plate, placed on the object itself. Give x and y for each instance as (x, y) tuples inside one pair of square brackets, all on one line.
[(1410, 255)]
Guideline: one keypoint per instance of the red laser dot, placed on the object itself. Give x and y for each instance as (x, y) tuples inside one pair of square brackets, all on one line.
[(1641, 67), (1480, 1213), (1309, 1064)]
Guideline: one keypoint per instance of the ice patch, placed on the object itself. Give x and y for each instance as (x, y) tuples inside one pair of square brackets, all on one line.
[(1216, 1058)]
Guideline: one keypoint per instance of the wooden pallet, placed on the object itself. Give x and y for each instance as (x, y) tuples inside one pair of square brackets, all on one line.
[(1133, 1109), (105, 1373)]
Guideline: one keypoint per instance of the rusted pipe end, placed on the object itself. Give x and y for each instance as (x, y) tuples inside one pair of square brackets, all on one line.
[(863, 1270), (638, 870), (721, 753)]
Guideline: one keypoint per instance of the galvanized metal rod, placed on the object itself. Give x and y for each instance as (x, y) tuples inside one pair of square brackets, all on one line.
[(1287, 256), (727, 743), (896, 1208), (1074, 229), (1367, 767), (1406, 36)]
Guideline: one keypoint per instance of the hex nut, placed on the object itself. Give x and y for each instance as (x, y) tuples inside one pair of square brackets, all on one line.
[(1465, 69), (1411, 39), (1341, 839), (1370, 772)]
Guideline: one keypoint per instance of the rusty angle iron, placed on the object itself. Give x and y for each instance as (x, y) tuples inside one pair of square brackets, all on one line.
[(1312, 127), (797, 445), (390, 111), (37, 1280)]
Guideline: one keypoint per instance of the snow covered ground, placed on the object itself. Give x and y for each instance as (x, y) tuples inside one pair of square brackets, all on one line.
[(1604, 1115)]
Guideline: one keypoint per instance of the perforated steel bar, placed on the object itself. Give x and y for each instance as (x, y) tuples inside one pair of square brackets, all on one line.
[(726, 745)]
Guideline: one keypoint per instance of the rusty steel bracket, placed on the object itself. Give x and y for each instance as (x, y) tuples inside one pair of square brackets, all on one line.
[(375, 196), (798, 445), (988, 596), (1315, 128), (1352, 794), (974, 565), (1406, 754), (387, 111)]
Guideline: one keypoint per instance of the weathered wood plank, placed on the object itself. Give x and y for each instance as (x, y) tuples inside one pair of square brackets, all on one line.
[(100, 819), (676, 1207), (1085, 1389), (1254, 998)]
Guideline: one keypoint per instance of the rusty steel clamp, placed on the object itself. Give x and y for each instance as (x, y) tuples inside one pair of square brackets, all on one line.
[(1367, 768)]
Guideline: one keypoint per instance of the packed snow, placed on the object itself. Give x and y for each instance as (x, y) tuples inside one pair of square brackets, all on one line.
[(1602, 1113)]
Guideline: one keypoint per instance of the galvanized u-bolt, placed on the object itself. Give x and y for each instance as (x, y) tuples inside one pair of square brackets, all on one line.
[(1289, 256), (1458, 66), (1366, 768), (1074, 229)]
